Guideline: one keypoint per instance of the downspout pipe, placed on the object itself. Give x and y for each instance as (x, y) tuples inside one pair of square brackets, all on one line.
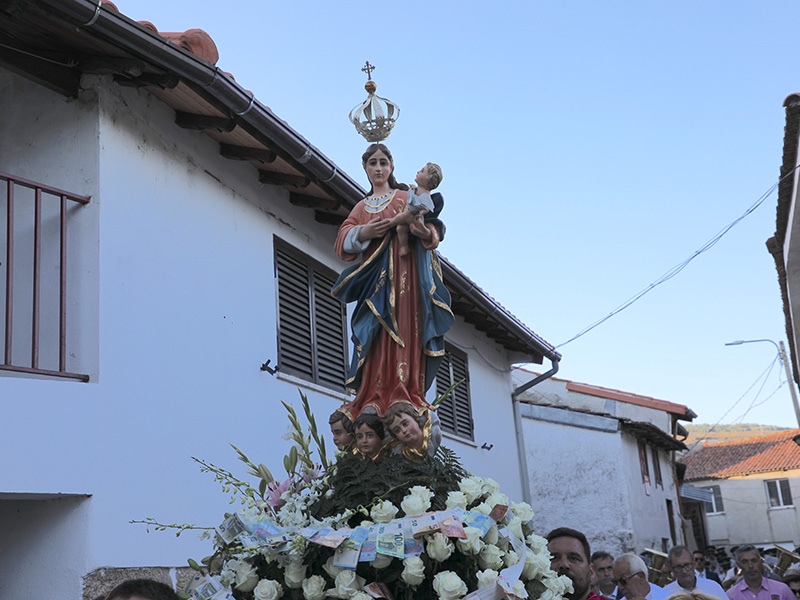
[(521, 452)]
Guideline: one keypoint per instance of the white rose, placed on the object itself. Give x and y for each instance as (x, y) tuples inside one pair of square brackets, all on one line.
[(381, 561), (492, 535), (413, 571), (330, 569), (472, 487), (511, 558), (361, 596), (417, 501), (523, 510), (294, 573), (438, 547), (559, 585), (491, 557), (383, 512), (535, 565), (519, 590), (538, 544), (472, 544), (483, 507), (497, 498), (449, 585), (314, 588), (246, 577), (458, 499), (487, 578), (268, 589), (490, 486), (347, 583), (515, 527)]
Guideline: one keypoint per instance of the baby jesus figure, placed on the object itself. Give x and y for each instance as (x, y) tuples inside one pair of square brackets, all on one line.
[(418, 204)]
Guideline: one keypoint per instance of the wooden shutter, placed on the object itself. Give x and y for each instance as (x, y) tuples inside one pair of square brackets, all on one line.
[(455, 413), (295, 351)]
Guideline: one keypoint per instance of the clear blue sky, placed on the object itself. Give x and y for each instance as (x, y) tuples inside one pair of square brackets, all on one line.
[(587, 147)]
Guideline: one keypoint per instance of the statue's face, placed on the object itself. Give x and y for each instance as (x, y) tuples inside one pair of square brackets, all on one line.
[(378, 168), (407, 430)]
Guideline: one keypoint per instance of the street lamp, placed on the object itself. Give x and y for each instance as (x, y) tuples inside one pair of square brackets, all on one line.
[(782, 356)]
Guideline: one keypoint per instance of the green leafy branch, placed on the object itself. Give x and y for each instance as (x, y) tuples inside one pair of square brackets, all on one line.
[(181, 527)]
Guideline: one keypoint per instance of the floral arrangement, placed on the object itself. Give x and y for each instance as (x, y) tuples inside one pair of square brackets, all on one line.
[(358, 530)]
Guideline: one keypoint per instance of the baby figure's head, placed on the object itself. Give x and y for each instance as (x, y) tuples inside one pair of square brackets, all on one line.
[(369, 434), (341, 429), (429, 176), (402, 421)]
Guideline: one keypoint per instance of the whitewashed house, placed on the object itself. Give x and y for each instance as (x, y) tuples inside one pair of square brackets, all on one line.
[(753, 484), (602, 461), (164, 235)]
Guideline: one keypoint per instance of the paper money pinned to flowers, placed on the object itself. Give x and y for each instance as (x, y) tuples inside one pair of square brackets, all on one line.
[(429, 530)]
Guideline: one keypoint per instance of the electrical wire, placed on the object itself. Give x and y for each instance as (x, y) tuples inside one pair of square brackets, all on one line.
[(765, 373), (682, 265)]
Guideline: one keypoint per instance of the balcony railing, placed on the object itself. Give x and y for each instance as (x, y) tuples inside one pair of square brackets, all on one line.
[(30, 265)]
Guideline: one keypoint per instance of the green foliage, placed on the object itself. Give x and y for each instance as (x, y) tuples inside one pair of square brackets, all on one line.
[(362, 482)]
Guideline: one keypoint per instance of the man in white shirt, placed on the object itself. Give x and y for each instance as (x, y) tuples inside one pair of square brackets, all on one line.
[(686, 578), (630, 576)]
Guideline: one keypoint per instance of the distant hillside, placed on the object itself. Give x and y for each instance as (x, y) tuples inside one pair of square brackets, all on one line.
[(728, 433)]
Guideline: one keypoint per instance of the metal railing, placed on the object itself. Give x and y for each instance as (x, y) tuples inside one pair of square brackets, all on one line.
[(64, 197)]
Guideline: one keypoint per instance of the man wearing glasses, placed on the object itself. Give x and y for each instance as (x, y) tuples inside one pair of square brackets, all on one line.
[(630, 576), (686, 579), (755, 586), (700, 566)]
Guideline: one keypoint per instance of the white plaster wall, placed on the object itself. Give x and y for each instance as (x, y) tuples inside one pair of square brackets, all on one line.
[(492, 411), (38, 537), (747, 518), (648, 507), (181, 255), (576, 481), (54, 142)]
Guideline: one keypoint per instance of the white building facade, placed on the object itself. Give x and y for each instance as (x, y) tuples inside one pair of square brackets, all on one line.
[(602, 461), (175, 297)]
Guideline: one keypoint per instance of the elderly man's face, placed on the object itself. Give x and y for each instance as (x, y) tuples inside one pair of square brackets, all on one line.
[(631, 586), (752, 565), (570, 559)]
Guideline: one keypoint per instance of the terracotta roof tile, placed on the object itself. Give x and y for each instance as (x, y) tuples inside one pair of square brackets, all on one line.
[(774, 452)]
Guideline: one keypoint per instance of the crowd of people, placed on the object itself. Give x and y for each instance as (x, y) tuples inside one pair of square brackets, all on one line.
[(601, 576)]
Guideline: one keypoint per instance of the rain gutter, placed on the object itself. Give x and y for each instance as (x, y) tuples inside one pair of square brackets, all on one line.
[(94, 16)]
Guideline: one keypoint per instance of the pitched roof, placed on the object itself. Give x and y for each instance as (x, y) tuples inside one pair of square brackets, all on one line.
[(682, 411), (773, 452), (54, 42)]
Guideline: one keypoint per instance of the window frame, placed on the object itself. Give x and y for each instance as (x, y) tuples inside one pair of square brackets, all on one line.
[(780, 493), (659, 480), (716, 504), (643, 464), (455, 412), (303, 292)]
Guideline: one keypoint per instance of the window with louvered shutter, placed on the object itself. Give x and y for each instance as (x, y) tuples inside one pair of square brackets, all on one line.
[(455, 412), (311, 322)]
